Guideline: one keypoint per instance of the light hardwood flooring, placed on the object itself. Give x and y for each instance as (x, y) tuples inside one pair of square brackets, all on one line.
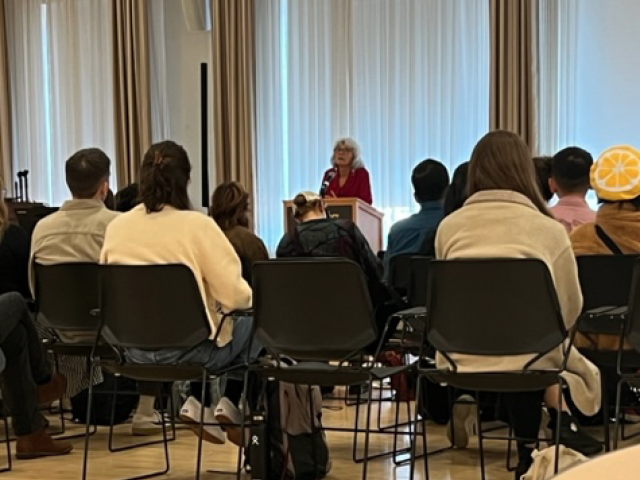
[(450, 465)]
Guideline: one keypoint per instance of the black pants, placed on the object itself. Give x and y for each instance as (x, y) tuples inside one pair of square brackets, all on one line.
[(525, 413), (27, 365)]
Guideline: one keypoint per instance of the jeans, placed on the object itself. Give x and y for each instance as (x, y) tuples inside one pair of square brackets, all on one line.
[(206, 353), (27, 365)]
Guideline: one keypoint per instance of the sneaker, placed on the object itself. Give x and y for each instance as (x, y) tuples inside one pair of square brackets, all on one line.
[(190, 415), (463, 421), (230, 418), (144, 425), (572, 435)]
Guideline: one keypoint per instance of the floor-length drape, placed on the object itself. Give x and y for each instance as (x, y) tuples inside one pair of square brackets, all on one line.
[(5, 106), (132, 87), (513, 67), (234, 87)]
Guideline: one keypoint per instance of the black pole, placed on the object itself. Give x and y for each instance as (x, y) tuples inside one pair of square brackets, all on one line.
[(204, 133)]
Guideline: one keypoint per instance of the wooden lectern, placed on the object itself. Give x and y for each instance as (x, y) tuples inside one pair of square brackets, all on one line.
[(367, 218)]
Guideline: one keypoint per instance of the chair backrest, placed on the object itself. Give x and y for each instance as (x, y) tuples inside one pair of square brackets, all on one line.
[(605, 280), (418, 281), (65, 295), (152, 306), (493, 307), (312, 309), (28, 218), (399, 271), (633, 320)]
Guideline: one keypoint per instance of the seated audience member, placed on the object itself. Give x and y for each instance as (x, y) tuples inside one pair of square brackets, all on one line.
[(230, 209), (430, 180), (543, 171), (14, 254), (616, 227), (164, 229), (505, 216), (570, 181), (315, 235), (75, 234), (453, 200), (127, 198), (28, 380)]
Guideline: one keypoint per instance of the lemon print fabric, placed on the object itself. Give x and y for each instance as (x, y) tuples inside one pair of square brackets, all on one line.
[(615, 176)]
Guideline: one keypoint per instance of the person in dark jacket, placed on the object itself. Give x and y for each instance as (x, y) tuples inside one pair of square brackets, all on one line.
[(319, 236), (15, 247)]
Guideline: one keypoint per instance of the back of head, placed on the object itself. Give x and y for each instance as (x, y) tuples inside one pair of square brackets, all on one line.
[(86, 172), (306, 202), (164, 177), (502, 161), (230, 206), (430, 180), (127, 198), (615, 176), (543, 171), (457, 192), (570, 170)]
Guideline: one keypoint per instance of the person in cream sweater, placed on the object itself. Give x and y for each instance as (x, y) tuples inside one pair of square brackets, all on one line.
[(164, 230), (505, 216)]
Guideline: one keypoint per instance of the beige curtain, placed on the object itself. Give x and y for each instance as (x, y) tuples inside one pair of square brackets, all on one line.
[(513, 67), (234, 87), (132, 87), (5, 106)]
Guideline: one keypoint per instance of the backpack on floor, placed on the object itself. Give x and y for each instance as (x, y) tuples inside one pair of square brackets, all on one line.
[(103, 401), (297, 443)]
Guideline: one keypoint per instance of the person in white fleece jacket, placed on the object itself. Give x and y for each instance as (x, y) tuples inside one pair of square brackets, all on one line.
[(164, 230)]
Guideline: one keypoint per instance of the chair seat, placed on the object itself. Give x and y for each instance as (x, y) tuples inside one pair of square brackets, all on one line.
[(154, 372), (327, 375), (411, 312), (603, 320), (80, 349), (524, 381)]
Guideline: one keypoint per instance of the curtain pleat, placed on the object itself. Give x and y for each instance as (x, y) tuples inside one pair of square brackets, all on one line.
[(5, 105), (132, 87), (513, 67), (234, 87)]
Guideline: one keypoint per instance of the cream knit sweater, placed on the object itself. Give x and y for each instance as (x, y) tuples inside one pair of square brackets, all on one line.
[(185, 237)]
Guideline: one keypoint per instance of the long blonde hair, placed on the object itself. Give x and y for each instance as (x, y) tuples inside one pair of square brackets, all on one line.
[(4, 211)]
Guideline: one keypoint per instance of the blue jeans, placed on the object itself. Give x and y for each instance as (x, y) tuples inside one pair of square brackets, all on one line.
[(206, 353)]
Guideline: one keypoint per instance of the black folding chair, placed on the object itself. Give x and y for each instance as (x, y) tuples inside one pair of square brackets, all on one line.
[(7, 439), (627, 358), (496, 307), (151, 308), (398, 275), (605, 281), (324, 326), (65, 295)]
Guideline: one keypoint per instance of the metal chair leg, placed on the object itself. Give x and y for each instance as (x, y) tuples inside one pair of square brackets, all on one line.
[(367, 433), (483, 472), (616, 431), (201, 429), (85, 464), (556, 464)]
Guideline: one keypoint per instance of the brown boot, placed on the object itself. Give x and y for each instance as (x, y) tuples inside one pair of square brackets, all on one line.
[(40, 444), (55, 389)]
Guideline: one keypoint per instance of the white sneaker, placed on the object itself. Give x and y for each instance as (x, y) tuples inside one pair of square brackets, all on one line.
[(190, 415), (230, 417), (144, 425), (463, 419)]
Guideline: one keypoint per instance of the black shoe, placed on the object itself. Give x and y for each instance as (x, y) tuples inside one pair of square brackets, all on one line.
[(573, 436), (524, 461)]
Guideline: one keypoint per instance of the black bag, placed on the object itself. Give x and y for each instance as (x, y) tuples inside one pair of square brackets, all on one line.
[(103, 401), (297, 446)]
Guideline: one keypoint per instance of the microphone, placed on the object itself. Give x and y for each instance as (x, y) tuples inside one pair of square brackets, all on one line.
[(331, 174)]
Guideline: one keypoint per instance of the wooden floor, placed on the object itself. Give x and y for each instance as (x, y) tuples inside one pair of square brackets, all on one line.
[(450, 465)]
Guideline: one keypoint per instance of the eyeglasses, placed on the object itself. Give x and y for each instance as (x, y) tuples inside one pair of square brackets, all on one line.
[(342, 150)]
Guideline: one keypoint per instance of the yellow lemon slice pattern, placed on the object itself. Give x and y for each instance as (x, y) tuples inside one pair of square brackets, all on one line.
[(616, 174)]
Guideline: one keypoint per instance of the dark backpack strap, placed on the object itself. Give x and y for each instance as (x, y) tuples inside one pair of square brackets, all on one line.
[(606, 239)]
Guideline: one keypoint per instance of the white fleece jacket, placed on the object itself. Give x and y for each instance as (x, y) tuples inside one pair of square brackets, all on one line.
[(185, 237)]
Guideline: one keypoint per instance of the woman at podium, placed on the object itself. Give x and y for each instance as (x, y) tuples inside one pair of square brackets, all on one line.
[(347, 176)]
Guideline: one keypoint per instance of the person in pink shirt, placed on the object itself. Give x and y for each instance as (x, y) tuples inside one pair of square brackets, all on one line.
[(570, 181)]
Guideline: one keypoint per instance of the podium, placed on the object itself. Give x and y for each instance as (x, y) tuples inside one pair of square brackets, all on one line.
[(367, 218)]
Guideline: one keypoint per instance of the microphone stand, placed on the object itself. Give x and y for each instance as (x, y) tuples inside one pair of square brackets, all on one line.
[(26, 185)]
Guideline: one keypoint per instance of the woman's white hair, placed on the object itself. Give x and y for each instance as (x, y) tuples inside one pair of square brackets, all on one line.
[(353, 145)]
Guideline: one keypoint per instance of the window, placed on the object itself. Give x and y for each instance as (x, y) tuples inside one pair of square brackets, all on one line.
[(408, 80)]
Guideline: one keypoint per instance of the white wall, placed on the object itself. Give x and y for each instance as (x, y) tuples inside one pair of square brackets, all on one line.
[(608, 94), (185, 51)]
